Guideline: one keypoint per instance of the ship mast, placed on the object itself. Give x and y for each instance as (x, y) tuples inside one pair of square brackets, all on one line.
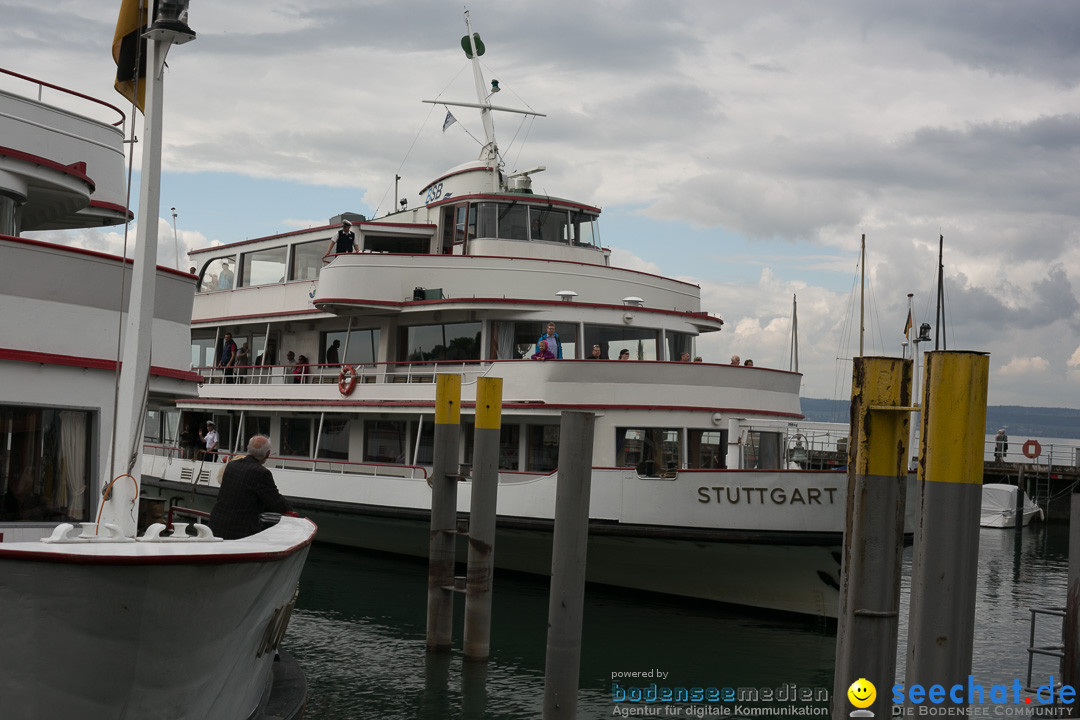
[(489, 153)]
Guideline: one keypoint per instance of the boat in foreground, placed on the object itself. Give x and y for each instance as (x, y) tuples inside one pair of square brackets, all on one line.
[(96, 622), (700, 487)]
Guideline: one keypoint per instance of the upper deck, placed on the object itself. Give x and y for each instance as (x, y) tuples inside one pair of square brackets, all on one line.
[(59, 169)]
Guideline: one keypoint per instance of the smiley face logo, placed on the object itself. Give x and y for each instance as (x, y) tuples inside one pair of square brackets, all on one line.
[(862, 693)]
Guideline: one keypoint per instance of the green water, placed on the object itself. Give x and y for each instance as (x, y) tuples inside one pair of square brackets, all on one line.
[(359, 632)]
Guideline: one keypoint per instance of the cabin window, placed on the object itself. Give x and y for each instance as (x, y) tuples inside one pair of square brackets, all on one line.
[(161, 427), (679, 343), (448, 341), (513, 222), (385, 441), (706, 449), (509, 445), (296, 436), (541, 448), (486, 223), (549, 225), (650, 450), (424, 450), (256, 425), (219, 274), (405, 244), (307, 260), (358, 347), (334, 439), (642, 343), (263, 267), (46, 465), (584, 229)]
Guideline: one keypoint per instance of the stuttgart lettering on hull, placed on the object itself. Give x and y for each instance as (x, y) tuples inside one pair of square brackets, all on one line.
[(763, 495)]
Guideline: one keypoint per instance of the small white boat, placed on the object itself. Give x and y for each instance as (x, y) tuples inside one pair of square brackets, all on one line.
[(95, 622), (999, 506)]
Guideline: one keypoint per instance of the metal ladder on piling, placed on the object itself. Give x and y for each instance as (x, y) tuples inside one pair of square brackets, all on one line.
[(1053, 650)]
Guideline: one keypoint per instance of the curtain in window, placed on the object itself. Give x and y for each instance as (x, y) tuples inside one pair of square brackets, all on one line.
[(73, 447)]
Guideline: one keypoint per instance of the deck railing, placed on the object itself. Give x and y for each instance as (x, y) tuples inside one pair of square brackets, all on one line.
[(208, 461), (41, 84), (395, 372)]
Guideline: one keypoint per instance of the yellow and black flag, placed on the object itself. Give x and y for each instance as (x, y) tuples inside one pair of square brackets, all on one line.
[(129, 51)]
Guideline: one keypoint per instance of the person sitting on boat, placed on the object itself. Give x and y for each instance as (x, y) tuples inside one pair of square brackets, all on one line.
[(542, 352), (624, 354), (553, 342), (345, 242), (597, 354), (735, 360), (247, 491), (748, 363), (685, 357)]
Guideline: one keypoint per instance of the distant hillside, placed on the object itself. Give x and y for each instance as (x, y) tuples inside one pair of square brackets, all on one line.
[(1019, 421)]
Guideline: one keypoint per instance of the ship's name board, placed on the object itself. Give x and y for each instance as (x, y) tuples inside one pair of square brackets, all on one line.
[(735, 495)]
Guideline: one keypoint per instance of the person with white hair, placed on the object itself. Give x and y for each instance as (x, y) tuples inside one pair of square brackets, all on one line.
[(247, 491)]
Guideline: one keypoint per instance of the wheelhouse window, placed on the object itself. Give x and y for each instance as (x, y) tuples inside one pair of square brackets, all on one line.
[(643, 344), (45, 464), (549, 225), (447, 341), (517, 340), (487, 219), (650, 450), (219, 274), (513, 222), (584, 229), (307, 260), (264, 267)]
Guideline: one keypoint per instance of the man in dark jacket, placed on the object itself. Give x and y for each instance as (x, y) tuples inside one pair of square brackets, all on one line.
[(247, 491)]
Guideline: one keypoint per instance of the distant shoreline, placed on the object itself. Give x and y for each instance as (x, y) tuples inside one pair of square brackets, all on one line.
[(1018, 421)]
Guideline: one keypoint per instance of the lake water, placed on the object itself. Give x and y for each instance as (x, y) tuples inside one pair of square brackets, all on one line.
[(359, 632)]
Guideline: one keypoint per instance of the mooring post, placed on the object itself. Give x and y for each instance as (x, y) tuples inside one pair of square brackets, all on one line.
[(567, 599), (868, 620), (944, 569), (444, 479), (485, 490), (1070, 634)]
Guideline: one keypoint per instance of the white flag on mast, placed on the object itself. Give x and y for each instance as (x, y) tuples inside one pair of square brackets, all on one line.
[(450, 120)]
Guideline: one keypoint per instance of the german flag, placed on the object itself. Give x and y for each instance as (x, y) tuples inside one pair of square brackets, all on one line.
[(129, 51)]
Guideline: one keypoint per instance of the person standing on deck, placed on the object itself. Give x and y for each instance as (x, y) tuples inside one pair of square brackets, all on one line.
[(554, 345), (345, 242), (1001, 445)]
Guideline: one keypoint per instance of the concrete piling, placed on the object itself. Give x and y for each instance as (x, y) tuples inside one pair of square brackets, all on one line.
[(868, 620), (444, 479), (485, 488), (567, 599), (945, 562)]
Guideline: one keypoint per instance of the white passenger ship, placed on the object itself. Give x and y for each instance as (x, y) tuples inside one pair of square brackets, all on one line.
[(691, 494)]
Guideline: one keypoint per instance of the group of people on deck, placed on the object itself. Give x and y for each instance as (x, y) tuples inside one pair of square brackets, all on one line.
[(549, 347)]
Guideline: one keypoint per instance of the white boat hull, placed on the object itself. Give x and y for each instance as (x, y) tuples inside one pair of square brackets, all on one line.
[(757, 552), (145, 630), (999, 507)]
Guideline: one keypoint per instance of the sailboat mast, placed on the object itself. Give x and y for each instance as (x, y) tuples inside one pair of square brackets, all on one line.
[(793, 360), (940, 316), (862, 291)]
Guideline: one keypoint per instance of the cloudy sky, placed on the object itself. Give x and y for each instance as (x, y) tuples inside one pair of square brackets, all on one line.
[(742, 146)]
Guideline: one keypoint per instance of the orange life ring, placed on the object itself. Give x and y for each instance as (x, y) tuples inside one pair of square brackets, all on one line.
[(1032, 449), (346, 380)]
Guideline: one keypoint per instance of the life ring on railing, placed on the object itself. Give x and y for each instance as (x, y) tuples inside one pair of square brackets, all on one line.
[(1032, 449), (346, 380)]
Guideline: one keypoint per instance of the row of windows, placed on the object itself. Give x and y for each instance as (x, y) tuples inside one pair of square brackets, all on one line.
[(449, 341)]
